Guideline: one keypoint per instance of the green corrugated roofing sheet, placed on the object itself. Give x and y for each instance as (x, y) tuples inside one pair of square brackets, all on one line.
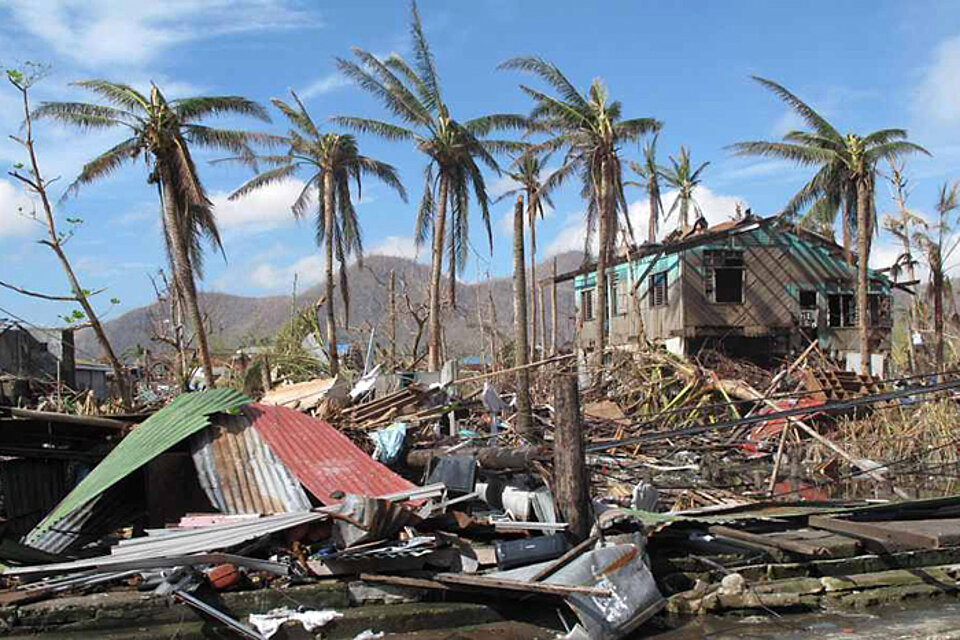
[(183, 417)]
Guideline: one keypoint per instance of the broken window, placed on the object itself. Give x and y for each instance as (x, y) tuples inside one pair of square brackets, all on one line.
[(808, 308), (586, 305), (723, 281), (658, 289), (618, 295), (842, 310)]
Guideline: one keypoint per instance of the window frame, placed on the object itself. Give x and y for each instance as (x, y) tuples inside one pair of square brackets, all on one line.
[(653, 286), (718, 260)]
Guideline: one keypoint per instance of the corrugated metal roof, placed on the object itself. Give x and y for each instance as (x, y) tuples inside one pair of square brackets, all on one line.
[(322, 459), (239, 472), (30, 489), (183, 417)]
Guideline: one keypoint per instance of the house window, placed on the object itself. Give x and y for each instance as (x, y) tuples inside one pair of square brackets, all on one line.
[(723, 282), (808, 308), (842, 310), (658, 289), (618, 295), (586, 305)]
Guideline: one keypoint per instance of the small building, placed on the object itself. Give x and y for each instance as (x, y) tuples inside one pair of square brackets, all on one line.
[(752, 287)]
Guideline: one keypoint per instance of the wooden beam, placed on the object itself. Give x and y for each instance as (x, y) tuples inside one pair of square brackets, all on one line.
[(793, 546), (565, 559), (882, 537), (456, 581)]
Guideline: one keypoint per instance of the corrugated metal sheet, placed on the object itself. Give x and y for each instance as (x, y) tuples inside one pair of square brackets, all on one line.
[(30, 489), (239, 472), (118, 506), (322, 459), (183, 417)]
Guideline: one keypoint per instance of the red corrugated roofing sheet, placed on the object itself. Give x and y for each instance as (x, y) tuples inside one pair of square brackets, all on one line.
[(322, 459)]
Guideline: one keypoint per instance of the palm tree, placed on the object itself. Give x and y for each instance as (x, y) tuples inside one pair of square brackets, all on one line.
[(455, 151), (590, 129), (333, 160), (163, 132), (847, 167), (685, 179), (650, 173), (938, 245), (527, 170)]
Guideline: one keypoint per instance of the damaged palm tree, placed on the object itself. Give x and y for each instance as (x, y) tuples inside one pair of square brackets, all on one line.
[(524, 419), (847, 169), (162, 133), (455, 151), (333, 160), (590, 128)]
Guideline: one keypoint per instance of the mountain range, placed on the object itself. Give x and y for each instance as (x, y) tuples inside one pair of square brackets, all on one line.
[(238, 321)]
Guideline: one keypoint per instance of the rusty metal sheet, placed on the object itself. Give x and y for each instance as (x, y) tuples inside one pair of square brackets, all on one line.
[(320, 457), (239, 472)]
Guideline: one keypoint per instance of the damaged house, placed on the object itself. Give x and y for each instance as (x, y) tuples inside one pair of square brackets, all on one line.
[(751, 287)]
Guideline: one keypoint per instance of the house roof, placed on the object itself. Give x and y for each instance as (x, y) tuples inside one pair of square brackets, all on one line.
[(698, 237)]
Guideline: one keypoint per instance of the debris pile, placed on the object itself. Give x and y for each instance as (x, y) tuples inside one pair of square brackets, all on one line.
[(704, 491)]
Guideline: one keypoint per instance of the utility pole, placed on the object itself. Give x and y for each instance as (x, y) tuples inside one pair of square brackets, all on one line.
[(393, 319)]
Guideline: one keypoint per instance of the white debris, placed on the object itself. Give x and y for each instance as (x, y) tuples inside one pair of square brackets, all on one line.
[(368, 635), (270, 622)]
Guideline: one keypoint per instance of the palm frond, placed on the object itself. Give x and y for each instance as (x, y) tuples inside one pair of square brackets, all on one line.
[(378, 128), (193, 109), (805, 111), (118, 93)]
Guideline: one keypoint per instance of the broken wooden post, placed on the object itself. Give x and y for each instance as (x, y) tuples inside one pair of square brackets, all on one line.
[(570, 472), (524, 423), (393, 320), (553, 310), (265, 378)]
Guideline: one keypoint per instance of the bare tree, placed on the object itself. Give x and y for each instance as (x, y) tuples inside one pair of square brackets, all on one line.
[(36, 184), (524, 421)]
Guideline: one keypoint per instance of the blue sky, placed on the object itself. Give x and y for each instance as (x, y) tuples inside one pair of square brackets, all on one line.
[(864, 65)]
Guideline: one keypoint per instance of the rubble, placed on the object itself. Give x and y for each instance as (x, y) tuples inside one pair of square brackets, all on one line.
[(696, 478)]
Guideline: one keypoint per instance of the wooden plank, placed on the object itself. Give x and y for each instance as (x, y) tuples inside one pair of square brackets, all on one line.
[(456, 581), (793, 546), (565, 559), (484, 582), (875, 532)]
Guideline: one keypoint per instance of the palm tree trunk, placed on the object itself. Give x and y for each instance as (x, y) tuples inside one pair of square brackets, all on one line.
[(603, 233), (554, 328), (439, 227), (534, 306), (183, 272), (847, 240), (863, 255), (524, 422), (452, 283), (333, 356), (652, 223), (938, 314)]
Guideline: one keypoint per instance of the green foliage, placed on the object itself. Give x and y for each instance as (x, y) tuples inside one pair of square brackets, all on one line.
[(74, 317)]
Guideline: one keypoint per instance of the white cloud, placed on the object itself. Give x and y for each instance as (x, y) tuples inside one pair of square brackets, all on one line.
[(264, 209), (308, 270), (938, 94), (322, 86), (396, 246), (716, 208), (15, 211), (101, 32)]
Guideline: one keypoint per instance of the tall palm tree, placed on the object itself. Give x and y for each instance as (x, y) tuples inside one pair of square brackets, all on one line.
[(455, 151), (650, 173), (685, 179), (590, 129), (332, 160), (846, 172), (527, 174), (162, 132)]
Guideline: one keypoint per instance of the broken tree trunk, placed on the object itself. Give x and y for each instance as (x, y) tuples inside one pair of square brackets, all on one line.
[(570, 474), (553, 310), (524, 423)]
